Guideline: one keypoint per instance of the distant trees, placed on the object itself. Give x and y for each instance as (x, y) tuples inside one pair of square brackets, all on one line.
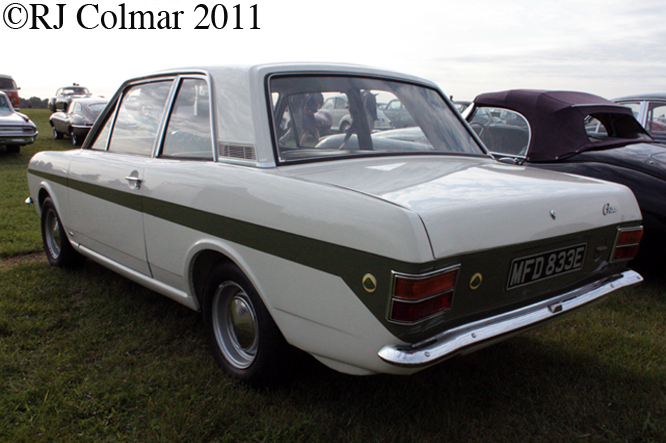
[(34, 102)]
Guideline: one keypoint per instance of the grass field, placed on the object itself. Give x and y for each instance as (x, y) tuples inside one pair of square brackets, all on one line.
[(88, 356)]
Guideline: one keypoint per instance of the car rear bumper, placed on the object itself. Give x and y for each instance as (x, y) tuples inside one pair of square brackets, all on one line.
[(17, 140), (476, 335)]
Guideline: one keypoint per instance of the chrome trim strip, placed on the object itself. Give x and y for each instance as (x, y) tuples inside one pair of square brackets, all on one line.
[(472, 336)]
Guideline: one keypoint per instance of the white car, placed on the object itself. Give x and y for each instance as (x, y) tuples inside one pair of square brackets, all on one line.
[(375, 254), (16, 129)]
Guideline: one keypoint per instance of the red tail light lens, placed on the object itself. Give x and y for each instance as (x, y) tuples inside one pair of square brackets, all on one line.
[(412, 312), (416, 298), (418, 288), (627, 242)]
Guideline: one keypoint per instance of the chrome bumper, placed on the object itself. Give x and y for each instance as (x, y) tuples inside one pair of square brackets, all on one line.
[(472, 336)]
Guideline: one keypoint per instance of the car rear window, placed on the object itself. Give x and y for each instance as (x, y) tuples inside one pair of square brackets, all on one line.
[(605, 126), (320, 116)]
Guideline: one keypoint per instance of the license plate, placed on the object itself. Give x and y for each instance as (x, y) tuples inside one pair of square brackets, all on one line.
[(526, 270)]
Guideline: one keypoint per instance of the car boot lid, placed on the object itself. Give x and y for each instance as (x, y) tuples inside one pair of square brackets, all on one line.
[(471, 203)]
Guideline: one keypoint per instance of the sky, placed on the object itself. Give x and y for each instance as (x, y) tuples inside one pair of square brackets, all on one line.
[(611, 48)]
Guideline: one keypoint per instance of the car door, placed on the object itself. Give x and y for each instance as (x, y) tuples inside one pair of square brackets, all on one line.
[(106, 178), (177, 178), (655, 120), (392, 112)]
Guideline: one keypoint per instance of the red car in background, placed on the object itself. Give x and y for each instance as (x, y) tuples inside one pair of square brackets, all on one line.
[(8, 86)]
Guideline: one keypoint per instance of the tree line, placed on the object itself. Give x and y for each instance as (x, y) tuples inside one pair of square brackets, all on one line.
[(34, 102)]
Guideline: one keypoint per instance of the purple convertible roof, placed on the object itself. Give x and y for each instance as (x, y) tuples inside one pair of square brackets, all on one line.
[(557, 121)]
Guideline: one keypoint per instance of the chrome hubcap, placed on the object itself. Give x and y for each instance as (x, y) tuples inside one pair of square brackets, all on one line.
[(53, 240), (235, 325)]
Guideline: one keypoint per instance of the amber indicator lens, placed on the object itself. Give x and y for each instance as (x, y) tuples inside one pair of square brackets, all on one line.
[(416, 289)]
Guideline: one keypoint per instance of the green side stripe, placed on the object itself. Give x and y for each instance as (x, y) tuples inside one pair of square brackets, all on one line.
[(351, 264)]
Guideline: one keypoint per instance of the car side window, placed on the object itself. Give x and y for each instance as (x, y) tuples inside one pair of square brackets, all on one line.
[(502, 131), (656, 119), (101, 141), (635, 107), (188, 131), (138, 118)]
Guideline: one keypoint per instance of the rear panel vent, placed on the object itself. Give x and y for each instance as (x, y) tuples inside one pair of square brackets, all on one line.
[(240, 152)]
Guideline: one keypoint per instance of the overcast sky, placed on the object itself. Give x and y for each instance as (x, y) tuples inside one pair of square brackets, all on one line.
[(610, 47)]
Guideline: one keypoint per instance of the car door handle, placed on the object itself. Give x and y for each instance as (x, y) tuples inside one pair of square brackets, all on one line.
[(135, 181)]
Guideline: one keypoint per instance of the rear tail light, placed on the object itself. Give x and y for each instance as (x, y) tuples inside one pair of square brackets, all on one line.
[(418, 297), (626, 243)]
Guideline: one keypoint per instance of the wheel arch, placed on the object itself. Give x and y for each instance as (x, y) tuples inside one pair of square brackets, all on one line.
[(204, 256), (45, 191)]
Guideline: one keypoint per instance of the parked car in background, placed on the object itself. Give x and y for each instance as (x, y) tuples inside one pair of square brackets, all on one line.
[(581, 134), (65, 95), (650, 111), (16, 129), (337, 107), (78, 119), (383, 257), (399, 116), (8, 86)]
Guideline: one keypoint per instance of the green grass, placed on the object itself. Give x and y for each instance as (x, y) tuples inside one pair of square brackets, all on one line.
[(88, 356), (19, 225)]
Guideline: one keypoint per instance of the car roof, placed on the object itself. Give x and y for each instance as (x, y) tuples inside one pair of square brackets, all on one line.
[(557, 120), (653, 96), (91, 100), (240, 96)]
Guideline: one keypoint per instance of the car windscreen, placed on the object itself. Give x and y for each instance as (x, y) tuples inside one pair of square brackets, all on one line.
[(322, 116), (7, 84), (4, 103)]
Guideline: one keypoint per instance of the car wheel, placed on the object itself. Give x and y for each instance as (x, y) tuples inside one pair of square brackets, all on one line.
[(244, 339), (58, 250), (13, 149), (344, 127), (75, 138), (57, 134)]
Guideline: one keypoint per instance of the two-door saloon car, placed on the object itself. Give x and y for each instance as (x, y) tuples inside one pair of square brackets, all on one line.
[(374, 254)]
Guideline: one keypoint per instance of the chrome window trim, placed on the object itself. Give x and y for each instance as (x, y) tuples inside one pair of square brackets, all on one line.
[(178, 81)]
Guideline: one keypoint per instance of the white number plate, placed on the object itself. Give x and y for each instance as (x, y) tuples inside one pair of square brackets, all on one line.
[(526, 270)]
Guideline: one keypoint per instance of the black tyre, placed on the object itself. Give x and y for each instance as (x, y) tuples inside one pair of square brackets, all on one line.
[(57, 134), (243, 338), (13, 149), (344, 127), (58, 250), (76, 140)]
